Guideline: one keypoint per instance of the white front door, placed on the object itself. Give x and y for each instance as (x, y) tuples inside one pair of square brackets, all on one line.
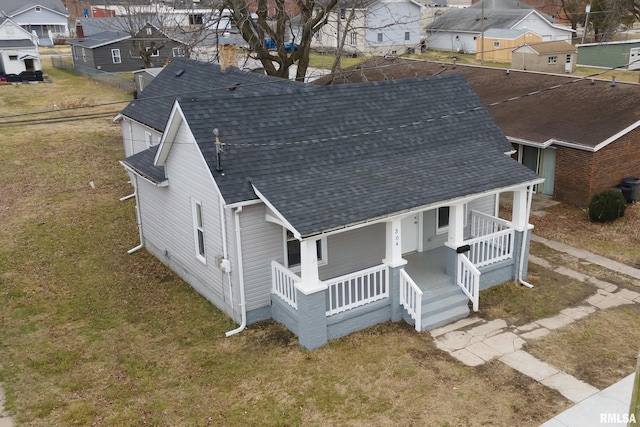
[(410, 226)]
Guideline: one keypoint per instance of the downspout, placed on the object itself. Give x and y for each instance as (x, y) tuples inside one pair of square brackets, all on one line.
[(138, 216), (524, 240), (240, 275), (224, 264)]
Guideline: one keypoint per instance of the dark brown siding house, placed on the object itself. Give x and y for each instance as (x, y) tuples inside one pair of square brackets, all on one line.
[(581, 134)]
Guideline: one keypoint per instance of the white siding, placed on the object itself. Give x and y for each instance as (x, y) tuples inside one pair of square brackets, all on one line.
[(133, 136), (354, 250), (168, 221), (452, 42), (262, 242), (542, 28), (393, 19)]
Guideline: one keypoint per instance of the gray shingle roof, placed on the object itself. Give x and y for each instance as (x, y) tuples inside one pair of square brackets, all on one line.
[(185, 76), (16, 43), (13, 7), (502, 14), (100, 39), (331, 156), (142, 163)]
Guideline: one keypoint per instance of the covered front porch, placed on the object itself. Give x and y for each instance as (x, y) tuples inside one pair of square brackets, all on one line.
[(428, 286)]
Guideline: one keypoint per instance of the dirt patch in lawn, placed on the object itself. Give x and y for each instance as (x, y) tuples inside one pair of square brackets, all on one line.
[(518, 304), (600, 349)]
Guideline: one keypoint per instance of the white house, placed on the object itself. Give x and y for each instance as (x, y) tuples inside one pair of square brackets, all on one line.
[(46, 19), (277, 199), (373, 27), (18, 49), (459, 30)]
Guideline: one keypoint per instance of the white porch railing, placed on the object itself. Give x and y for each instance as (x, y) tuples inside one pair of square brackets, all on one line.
[(283, 282), (411, 298), (483, 224), (468, 278), (493, 240), (356, 289)]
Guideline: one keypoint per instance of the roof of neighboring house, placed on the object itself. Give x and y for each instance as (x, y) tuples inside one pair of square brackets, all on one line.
[(92, 26), (632, 41), (100, 39), (16, 43), (184, 77), (15, 7), (575, 112), (323, 164), (502, 14), (557, 46)]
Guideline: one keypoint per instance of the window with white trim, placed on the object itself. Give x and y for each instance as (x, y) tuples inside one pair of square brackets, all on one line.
[(115, 56), (154, 54), (292, 250), (553, 60), (198, 230), (84, 55), (177, 52), (149, 31), (74, 49), (353, 38), (147, 139), (379, 37), (442, 218), (38, 9), (496, 44), (407, 35)]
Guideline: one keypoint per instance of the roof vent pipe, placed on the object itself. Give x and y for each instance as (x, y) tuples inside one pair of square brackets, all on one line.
[(454, 61), (593, 81), (613, 81), (508, 71), (219, 149)]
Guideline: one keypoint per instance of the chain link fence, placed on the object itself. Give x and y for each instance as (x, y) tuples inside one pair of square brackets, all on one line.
[(112, 79)]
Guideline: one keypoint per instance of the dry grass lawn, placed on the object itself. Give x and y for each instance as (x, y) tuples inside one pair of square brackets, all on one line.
[(92, 336)]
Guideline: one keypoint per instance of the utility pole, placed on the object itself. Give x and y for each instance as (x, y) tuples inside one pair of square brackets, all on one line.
[(482, 35), (586, 22)]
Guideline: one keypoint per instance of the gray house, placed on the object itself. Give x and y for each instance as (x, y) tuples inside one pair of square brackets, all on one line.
[(116, 51), (280, 200)]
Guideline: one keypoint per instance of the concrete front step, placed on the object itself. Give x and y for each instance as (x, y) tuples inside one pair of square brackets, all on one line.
[(442, 304)]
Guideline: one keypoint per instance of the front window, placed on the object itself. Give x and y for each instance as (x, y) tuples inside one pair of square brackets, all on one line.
[(115, 56), (293, 250), (553, 60), (442, 220)]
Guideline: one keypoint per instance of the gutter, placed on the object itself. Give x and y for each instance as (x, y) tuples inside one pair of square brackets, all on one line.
[(243, 305)]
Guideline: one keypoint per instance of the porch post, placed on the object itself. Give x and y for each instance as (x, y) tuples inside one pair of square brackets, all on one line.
[(312, 309), (393, 259), (456, 225), (519, 213)]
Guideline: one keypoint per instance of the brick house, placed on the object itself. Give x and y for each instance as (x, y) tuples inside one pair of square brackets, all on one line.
[(581, 135)]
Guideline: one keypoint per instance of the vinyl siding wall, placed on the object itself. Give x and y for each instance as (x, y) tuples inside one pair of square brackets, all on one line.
[(133, 135), (168, 229)]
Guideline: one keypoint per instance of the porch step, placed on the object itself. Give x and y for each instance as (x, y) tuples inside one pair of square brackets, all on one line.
[(443, 304)]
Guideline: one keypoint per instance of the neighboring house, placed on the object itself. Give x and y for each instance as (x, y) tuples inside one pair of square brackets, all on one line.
[(546, 57), (620, 54), (458, 30), (143, 77), (115, 51), (47, 19), (378, 27), (499, 44), (277, 199), (582, 136), (18, 49)]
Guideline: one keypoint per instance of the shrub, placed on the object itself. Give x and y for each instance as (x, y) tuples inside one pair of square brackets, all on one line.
[(607, 206)]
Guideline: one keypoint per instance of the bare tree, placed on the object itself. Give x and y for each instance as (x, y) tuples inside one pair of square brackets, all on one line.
[(273, 19)]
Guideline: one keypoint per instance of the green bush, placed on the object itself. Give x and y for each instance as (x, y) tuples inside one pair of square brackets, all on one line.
[(607, 206)]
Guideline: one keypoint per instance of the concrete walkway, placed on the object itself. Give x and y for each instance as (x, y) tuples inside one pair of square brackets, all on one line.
[(474, 341)]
